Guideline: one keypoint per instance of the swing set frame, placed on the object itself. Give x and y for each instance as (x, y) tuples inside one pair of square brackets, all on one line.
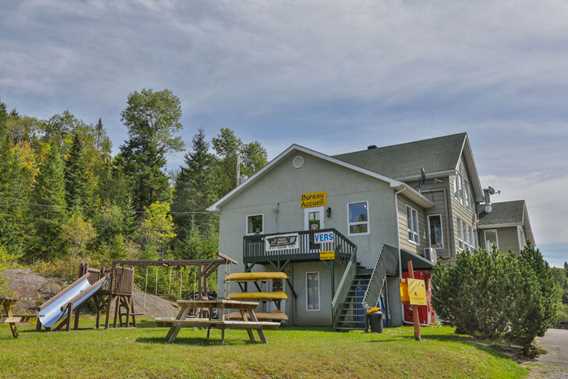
[(205, 267)]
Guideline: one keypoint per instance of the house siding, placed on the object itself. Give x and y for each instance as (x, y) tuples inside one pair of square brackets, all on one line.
[(405, 243), (438, 191), (277, 196), (458, 210)]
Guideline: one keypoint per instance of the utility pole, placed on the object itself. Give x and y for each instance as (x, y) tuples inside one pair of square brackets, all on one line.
[(238, 168)]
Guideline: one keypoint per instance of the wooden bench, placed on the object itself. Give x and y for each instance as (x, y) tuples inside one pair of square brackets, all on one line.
[(205, 322), (6, 316), (262, 316)]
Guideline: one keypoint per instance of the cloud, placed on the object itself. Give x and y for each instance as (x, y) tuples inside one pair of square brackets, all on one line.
[(331, 74)]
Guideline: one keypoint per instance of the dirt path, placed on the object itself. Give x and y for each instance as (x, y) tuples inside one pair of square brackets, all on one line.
[(553, 364)]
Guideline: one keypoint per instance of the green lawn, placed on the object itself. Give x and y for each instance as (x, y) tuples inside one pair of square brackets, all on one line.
[(289, 353)]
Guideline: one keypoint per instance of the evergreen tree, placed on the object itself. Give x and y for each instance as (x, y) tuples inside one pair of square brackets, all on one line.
[(194, 188), (49, 208), (75, 175), (152, 118), (254, 158), (228, 149)]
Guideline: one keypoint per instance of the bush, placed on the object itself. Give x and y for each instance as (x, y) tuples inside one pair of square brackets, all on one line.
[(493, 294), (7, 261)]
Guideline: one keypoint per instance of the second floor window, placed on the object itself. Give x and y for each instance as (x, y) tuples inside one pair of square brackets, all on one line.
[(412, 222), (436, 233), (358, 218), (255, 224)]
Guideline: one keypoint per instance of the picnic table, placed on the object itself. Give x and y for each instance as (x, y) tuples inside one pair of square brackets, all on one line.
[(6, 315), (249, 320)]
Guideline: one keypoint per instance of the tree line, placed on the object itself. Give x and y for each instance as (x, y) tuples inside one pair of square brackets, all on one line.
[(63, 194)]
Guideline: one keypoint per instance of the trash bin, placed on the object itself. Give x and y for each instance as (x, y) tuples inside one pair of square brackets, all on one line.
[(375, 321)]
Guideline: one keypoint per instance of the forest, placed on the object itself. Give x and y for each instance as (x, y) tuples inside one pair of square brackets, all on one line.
[(66, 198)]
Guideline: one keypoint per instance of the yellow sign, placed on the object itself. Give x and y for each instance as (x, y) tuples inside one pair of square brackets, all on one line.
[(313, 199), (404, 292), (327, 255), (417, 292)]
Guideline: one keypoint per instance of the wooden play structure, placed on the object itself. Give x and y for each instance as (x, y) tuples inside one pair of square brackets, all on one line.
[(111, 291), (275, 296)]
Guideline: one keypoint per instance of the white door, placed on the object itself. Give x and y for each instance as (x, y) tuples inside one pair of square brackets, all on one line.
[(314, 219)]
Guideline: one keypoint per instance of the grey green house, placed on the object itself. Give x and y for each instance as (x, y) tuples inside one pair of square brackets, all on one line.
[(506, 226), (374, 209)]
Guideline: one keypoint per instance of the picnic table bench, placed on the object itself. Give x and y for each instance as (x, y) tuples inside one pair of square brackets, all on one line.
[(8, 317), (249, 321)]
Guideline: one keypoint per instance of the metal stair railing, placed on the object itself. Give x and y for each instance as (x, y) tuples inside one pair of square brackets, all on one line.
[(343, 287), (377, 281)]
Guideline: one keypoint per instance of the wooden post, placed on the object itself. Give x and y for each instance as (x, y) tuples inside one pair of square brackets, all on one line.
[(415, 315)]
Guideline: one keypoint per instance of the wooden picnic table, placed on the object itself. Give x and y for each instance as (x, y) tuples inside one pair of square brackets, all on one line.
[(249, 320), (6, 315)]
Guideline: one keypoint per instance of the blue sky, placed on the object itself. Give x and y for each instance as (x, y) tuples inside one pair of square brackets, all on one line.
[(331, 75)]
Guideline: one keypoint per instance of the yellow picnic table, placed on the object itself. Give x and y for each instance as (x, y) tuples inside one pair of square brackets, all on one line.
[(249, 320)]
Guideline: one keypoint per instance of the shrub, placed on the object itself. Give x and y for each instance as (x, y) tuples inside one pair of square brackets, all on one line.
[(7, 261), (493, 294)]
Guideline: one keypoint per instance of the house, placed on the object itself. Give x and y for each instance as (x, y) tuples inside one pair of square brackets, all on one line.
[(345, 227), (506, 226)]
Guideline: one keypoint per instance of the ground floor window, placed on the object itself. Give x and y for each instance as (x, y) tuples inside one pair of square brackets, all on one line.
[(491, 239), (313, 291)]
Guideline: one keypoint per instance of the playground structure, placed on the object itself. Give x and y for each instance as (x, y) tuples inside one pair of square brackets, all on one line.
[(275, 296), (113, 289)]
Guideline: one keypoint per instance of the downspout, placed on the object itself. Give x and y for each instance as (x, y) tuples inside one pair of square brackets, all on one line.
[(396, 193)]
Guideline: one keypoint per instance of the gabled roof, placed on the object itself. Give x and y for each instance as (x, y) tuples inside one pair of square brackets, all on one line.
[(409, 192), (504, 213), (438, 156), (508, 214)]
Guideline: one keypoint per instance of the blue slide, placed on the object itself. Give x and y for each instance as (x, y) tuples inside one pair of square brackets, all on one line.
[(76, 294)]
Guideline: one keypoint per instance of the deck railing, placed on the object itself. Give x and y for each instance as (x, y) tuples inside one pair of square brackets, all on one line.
[(297, 246)]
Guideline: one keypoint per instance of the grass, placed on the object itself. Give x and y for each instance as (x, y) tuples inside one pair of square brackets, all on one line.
[(290, 353)]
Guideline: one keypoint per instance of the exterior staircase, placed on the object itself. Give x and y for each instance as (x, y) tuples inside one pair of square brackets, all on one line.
[(352, 313)]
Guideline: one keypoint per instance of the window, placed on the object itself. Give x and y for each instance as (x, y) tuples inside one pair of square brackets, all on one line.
[(358, 218), (312, 291), (491, 239), (436, 232), (255, 224), (466, 238), (460, 233), (412, 221)]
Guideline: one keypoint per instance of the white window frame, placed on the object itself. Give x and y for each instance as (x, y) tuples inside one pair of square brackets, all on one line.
[(485, 237), (408, 222), (307, 292), (368, 222), (247, 224), (430, 230), (321, 211)]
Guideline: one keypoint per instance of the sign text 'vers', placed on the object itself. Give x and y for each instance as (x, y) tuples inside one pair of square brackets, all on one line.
[(324, 237)]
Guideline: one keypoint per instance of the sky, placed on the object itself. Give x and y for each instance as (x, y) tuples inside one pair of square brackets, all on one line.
[(332, 75)]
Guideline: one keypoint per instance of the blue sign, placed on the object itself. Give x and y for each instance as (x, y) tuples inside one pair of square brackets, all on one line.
[(324, 237)]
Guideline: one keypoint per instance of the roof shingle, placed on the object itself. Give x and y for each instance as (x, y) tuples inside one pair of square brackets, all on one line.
[(507, 212), (406, 160)]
